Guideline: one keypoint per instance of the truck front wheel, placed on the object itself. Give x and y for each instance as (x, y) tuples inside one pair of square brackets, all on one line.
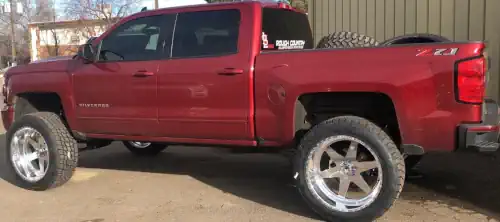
[(144, 148), (348, 169), (41, 152)]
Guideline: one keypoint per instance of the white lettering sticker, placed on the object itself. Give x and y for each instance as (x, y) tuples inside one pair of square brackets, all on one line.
[(290, 44), (265, 42)]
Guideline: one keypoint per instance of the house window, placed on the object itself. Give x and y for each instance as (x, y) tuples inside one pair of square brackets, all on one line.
[(75, 39)]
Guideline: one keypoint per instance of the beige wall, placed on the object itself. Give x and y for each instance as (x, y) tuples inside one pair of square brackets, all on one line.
[(459, 20), (69, 35)]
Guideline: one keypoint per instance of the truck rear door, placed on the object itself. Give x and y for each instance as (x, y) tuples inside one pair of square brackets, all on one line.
[(204, 89)]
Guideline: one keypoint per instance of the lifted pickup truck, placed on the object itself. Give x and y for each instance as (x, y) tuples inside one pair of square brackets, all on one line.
[(246, 75)]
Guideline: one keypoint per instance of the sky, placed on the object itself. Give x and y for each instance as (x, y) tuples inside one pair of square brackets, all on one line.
[(147, 3), (170, 3)]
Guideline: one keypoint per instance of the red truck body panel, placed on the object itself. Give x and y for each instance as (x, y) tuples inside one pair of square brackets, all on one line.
[(421, 88), (134, 100), (189, 101), (196, 96), (50, 76), (247, 74)]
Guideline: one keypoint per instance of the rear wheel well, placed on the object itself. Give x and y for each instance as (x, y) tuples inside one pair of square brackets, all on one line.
[(311, 109), (414, 39)]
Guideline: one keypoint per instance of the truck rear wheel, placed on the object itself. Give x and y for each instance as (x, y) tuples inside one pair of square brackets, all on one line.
[(346, 40), (348, 169), (144, 148), (41, 152)]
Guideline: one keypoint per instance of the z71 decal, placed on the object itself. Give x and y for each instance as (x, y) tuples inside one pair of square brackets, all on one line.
[(437, 52)]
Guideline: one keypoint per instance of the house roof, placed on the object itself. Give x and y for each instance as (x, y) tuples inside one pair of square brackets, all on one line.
[(69, 23)]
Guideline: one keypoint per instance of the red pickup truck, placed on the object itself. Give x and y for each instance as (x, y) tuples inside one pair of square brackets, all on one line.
[(246, 74)]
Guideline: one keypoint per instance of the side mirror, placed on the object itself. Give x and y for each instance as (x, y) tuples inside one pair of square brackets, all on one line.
[(88, 53)]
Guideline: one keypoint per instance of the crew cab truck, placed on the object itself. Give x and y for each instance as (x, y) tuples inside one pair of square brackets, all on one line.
[(245, 74)]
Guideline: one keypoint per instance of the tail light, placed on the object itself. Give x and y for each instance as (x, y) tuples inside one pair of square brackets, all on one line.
[(471, 80)]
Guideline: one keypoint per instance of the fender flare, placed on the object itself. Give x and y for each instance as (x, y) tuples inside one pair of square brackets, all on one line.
[(415, 38)]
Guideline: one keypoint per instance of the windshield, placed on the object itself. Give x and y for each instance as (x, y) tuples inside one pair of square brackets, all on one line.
[(285, 30)]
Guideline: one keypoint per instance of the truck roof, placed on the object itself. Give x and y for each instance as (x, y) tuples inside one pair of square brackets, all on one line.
[(263, 3)]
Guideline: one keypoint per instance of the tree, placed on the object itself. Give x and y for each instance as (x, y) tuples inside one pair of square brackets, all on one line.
[(52, 48), (110, 11), (23, 14), (300, 4)]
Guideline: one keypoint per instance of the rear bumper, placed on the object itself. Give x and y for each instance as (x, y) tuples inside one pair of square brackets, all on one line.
[(481, 137)]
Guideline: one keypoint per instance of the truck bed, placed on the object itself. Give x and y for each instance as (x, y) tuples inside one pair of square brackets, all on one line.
[(418, 78)]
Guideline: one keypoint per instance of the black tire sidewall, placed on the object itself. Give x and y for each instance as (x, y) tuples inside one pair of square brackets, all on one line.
[(389, 190), (40, 126)]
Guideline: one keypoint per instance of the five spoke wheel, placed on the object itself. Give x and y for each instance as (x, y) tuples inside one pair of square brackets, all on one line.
[(346, 171), (42, 152), (349, 169), (30, 155)]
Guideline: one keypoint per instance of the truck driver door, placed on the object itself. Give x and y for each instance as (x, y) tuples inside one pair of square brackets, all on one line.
[(117, 93)]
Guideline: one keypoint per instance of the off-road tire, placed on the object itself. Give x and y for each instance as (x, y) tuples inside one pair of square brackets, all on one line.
[(392, 164), (62, 148), (346, 40), (152, 150)]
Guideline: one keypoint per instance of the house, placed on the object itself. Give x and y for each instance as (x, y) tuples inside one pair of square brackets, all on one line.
[(62, 38)]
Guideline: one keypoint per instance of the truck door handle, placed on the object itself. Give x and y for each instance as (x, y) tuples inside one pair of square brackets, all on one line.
[(230, 71), (143, 73)]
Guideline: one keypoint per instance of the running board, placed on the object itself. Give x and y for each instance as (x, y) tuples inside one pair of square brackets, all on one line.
[(486, 146)]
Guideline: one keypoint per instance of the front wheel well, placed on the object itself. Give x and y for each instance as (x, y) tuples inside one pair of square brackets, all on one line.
[(31, 102), (314, 108), (38, 101)]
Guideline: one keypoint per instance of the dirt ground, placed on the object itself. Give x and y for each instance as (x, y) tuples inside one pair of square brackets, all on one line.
[(207, 184)]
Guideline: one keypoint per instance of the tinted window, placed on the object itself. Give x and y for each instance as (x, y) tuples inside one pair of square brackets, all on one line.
[(139, 39), (207, 33), (285, 30)]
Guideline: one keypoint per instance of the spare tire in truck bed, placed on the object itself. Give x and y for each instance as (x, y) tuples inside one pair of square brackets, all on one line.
[(346, 39)]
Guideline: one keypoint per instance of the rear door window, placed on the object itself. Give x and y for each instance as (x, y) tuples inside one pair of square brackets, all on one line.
[(206, 33), (285, 30)]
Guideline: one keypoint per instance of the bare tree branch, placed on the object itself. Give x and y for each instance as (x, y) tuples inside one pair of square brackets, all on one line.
[(110, 11), (21, 20)]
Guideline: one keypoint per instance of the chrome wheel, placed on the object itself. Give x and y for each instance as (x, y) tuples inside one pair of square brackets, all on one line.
[(29, 154), (344, 173), (140, 145)]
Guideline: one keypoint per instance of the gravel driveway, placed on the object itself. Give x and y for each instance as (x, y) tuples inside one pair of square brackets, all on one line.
[(206, 184)]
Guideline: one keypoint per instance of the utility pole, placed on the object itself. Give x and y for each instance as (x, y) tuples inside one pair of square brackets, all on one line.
[(156, 4), (12, 33)]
